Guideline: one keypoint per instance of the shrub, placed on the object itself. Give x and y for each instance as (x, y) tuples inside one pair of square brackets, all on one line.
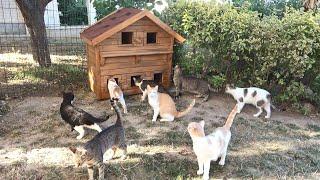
[(269, 52)]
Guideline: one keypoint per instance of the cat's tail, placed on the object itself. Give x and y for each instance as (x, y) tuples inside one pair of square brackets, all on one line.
[(180, 114), (117, 110), (231, 116)]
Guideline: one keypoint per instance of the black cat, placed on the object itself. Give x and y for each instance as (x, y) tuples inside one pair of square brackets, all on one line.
[(76, 117)]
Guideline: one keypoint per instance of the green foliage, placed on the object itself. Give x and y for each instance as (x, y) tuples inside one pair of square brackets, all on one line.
[(73, 12), (270, 7), (236, 44), (105, 7)]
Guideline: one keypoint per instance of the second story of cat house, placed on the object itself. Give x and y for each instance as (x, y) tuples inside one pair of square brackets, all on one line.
[(130, 32)]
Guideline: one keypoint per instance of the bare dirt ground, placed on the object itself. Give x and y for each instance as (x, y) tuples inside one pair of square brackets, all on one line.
[(34, 142)]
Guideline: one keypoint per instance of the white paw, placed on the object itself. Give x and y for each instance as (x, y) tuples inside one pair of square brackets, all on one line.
[(221, 163), (267, 117), (199, 172), (238, 111), (125, 111), (79, 137), (205, 177), (123, 158), (153, 120), (256, 115)]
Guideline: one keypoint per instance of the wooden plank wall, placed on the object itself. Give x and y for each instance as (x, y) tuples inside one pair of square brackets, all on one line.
[(124, 67), (139, 29)]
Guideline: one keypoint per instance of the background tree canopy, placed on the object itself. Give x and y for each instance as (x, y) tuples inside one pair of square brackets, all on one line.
[(105, 7), (73, 12)]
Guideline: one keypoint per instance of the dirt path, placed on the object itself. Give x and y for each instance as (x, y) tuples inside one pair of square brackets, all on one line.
[(35, 139)]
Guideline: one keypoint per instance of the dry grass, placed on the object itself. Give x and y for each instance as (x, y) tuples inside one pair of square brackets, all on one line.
[(35, 140)]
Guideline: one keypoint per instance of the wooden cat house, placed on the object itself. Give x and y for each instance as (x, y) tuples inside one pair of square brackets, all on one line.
[(125, 44)]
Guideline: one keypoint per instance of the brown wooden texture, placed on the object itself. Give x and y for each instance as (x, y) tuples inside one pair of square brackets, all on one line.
[(109, 58), (121, 19)]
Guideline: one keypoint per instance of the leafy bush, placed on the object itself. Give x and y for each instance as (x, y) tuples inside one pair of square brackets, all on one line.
[(278, 54)]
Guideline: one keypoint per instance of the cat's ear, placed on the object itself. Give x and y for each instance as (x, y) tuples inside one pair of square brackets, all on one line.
[(73, 149), (156, 88), (202, 123), (148, 87)]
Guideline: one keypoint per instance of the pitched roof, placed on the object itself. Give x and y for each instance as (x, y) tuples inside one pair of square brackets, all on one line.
[(119, 20)]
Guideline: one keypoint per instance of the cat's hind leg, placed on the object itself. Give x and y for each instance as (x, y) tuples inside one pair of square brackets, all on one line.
[(259, 112), (80, 130), (267, 108), (167, 117), (123, 103), (90, 172), (200, 164), (205, 97), (240, 106), (101, 170)]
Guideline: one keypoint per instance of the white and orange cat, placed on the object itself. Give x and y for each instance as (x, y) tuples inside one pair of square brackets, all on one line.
[(211, 147), (116, 93), (164, 105)]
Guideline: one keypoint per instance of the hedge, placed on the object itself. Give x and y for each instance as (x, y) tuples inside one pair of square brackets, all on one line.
[(236, 45)]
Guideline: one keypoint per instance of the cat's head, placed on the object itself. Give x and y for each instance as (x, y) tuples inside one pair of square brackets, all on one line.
[(80, 156), (112, 81), (68, 96), (177, 69), (196, 129), (152, 91), (137, 80), (229, 88)]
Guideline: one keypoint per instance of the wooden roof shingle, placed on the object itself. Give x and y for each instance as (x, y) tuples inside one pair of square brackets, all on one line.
[(119, 20)]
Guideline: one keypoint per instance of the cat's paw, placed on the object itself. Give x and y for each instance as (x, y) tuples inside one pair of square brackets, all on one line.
[(221, 163), (199, 172), (79, 137), (256, 115), (153, 120), (267, 117), (176, 97), (123, 158), (205, 177)]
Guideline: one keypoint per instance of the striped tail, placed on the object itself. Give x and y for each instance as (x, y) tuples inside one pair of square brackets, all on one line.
[(180, 114), (231, 116)]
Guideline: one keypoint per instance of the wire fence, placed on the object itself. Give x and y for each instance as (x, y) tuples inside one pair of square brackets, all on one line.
[(64, 20)]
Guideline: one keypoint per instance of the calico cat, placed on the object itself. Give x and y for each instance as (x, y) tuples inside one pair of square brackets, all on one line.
[(190, 84), (162, 103), (112, 138), (252, 95), (116, 92), (142, 84), (76, 117), (211, 147)]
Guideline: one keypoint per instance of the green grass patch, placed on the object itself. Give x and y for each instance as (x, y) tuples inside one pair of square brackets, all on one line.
[(62, 74)]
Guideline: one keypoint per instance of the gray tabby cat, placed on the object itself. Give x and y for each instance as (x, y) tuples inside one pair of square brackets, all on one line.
[(190, 84), (109, 139)]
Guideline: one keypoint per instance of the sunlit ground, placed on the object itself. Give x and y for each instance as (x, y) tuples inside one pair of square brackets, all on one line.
[(34, 142)]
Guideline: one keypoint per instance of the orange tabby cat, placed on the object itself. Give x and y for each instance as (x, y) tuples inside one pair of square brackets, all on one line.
[(162, 103)]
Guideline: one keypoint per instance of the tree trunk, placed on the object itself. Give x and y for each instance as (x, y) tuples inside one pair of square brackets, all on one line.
[(33, 14)]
